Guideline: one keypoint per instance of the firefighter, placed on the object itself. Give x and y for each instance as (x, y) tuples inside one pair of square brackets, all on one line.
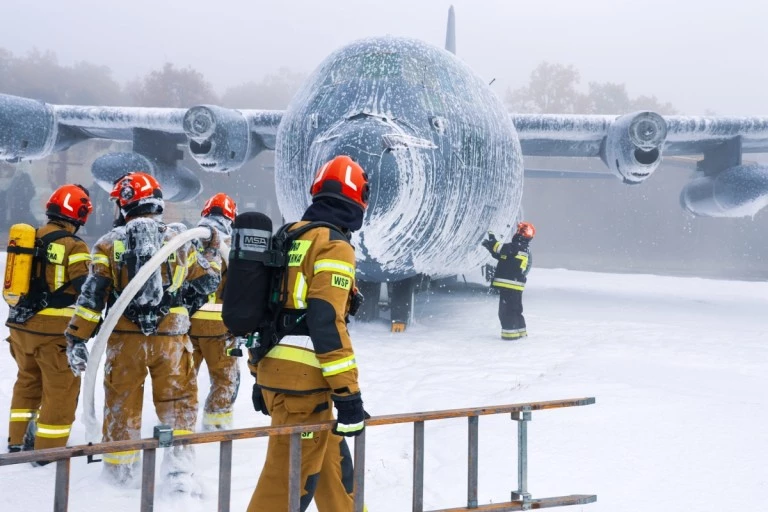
[(151, 335), (209, 336), (510, 277), (305, 376), (45, 393)]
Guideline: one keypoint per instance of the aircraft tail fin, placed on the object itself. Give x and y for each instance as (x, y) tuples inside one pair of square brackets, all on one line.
[(450, 33)]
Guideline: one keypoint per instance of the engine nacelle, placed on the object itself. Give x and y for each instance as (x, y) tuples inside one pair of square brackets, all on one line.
[(178, 183), (220, 139), (632, 148), (739, 191), (27, 129)]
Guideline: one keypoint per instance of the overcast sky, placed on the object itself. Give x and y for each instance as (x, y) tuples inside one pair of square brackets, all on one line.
[(696, 54)]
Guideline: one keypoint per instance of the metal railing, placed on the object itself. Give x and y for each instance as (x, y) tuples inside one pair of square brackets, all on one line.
[(520, 499)]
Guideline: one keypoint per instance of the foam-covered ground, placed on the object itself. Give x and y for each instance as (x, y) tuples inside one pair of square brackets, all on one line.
[(679, 367)]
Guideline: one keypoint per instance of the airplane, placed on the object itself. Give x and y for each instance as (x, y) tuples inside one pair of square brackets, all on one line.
[(444, 157)]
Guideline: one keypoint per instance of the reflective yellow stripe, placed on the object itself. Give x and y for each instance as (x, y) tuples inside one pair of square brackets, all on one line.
[(207, 315), (120, 458), (68, 312), (78, 257), (100, 259), (508, 283), (214, 265), (514, 335), (181, 432), (338, 366), (59, 276), (510, 286), (23, 414), (294, 354), (354, 427), (179, 310), (217, 418), (53, 431), (87, 314), (300, 292), (523, 260), (191, 258), (209, 311), (179, 273), (496, 246), (335, 266)]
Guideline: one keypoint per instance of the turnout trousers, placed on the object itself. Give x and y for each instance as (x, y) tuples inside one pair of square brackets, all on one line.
[(45, 389), (326, 463), (224, 373), (168, 359), (511, 314)]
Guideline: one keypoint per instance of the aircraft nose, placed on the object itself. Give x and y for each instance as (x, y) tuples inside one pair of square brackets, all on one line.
[(399, 164)]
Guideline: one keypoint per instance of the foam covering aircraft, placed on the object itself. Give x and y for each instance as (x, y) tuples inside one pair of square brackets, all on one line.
[(444, 156)]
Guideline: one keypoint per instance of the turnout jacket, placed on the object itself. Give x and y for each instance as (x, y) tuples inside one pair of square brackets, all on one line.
[(65, 272), (108, 277), (206, 322), (320, 279), (514, 263)]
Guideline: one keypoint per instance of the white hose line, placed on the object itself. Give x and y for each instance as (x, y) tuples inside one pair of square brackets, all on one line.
[(92, 426)]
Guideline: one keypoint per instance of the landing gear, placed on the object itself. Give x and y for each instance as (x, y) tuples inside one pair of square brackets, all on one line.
[(401, 300), (400, 296), (369, 311)]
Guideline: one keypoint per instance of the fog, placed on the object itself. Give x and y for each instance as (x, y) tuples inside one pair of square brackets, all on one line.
[(697, 54)]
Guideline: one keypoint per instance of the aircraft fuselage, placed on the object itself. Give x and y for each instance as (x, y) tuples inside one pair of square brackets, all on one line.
[(441, 152)]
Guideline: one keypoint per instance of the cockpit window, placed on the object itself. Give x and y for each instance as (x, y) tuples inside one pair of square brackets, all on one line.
[(373, 65), (380, 64), (343, 70)]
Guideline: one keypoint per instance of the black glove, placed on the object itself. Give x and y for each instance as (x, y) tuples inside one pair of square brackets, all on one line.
[(350, 416), (490, 242), (77, 354), (356, 301), (259, 405)]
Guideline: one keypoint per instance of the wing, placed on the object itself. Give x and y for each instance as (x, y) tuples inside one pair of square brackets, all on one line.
[(219, 139), (633, 145)]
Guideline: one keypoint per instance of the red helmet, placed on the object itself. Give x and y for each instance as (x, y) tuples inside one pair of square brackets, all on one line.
[(343, 178), (220, 204), (526, 230), (136, 190), (70, 202)]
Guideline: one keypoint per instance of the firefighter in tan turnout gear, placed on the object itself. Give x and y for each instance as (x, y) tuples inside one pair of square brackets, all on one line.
[(151, 336), (303, 377), (209, 336), (45, 394)]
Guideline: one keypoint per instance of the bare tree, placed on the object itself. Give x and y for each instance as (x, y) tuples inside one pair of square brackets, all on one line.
[(275, 91), (172, 87), (40, 76), (553, 88)]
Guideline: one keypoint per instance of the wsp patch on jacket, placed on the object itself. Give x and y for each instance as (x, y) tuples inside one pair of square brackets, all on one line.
[(341, 281)]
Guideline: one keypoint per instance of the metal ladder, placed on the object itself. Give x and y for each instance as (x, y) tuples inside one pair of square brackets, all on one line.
[(521, 499)]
